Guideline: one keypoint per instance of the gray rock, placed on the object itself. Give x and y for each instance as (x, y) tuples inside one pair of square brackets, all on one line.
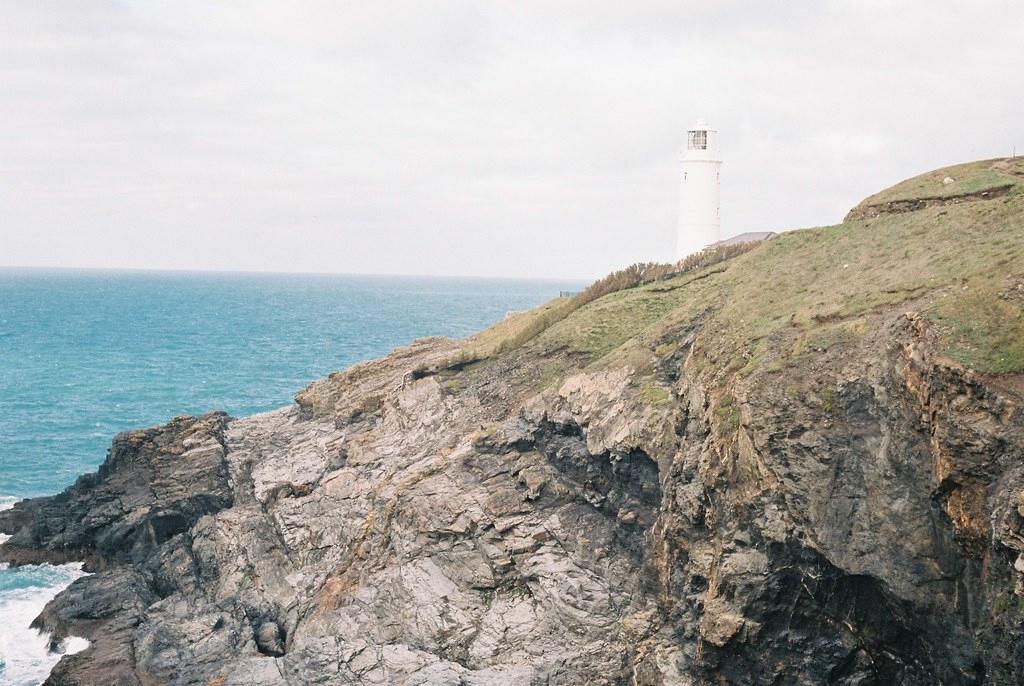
[(270, 639), (395, 527)]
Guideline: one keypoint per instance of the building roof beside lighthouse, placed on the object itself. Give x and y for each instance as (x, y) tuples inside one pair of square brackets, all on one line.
[(750, 237)]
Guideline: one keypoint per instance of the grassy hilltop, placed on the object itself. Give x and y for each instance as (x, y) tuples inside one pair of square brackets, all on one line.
[(954, 254)]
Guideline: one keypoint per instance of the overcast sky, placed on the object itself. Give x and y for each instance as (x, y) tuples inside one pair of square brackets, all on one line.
[(472, 138)]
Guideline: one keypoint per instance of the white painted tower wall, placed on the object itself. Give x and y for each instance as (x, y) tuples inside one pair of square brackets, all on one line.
[(699, 221)]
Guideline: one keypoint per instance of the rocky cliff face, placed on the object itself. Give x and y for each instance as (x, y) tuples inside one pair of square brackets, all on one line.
[(748, 474)]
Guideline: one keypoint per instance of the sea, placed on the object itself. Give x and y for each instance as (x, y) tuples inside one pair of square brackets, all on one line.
[(85, 354)]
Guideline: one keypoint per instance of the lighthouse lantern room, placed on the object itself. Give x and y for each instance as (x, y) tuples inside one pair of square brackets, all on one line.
[(699, 223)]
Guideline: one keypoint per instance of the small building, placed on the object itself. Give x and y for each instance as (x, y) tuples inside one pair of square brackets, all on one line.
[(749, 237), (699, 206)]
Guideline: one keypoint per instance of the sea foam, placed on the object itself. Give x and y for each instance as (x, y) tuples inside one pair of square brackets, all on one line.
[(25, 655)]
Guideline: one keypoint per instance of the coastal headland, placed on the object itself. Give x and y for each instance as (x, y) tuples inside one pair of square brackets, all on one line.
[(799, 461)]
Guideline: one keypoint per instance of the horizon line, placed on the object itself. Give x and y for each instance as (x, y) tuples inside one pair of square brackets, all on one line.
[(272, 272)]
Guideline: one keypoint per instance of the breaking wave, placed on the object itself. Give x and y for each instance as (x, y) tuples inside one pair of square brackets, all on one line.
[(25, 655)]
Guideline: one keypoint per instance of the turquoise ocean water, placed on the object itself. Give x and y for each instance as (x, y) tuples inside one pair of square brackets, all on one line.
[(85, 354)]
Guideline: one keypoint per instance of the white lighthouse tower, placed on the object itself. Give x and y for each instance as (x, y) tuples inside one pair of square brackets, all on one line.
[(699, 200)]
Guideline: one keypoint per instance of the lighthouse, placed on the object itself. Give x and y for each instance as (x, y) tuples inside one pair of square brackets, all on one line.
[(699, 223)]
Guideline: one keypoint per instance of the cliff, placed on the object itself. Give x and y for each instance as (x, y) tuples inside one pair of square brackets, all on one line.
[(801, 463)]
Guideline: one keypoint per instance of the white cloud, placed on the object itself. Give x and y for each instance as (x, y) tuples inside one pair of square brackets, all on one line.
[(526, 138)]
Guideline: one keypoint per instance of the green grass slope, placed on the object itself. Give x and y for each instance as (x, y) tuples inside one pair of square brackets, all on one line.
[(960, 265), (968, 178)]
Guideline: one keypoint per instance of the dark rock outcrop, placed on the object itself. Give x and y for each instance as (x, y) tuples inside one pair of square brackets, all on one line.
[(154, 485)]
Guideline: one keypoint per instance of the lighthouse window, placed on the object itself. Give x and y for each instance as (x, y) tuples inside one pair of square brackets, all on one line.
[(697, 140)]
